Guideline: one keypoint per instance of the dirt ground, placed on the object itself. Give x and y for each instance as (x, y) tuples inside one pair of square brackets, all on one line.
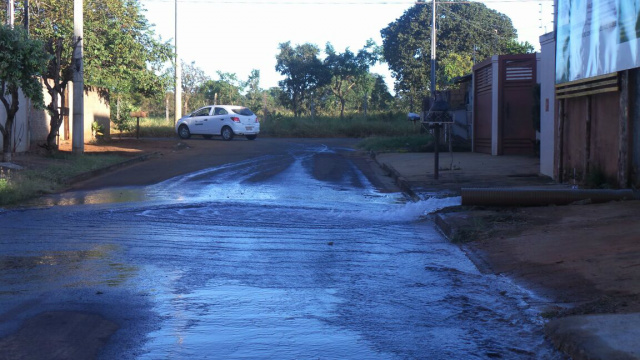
[(582, 258)]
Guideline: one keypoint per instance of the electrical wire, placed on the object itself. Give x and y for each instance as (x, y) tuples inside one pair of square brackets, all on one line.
[(337, 2)]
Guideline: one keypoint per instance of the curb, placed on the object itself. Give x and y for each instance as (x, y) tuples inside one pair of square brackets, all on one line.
[(402, 183), (89, 174)]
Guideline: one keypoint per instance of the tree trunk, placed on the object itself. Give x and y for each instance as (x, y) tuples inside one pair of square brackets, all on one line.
[(166, 107), (12, 109)]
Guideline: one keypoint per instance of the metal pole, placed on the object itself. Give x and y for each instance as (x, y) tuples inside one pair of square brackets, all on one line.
[(436, 132), (78, 79), (433, 50), (10, 13), (178, 73), (26, 15)]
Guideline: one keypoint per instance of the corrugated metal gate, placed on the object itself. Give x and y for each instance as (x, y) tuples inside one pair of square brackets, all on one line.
[(503, 118)]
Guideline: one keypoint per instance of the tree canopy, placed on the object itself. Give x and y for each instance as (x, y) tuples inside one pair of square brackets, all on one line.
[(22, 61), (304, 73), (465, 31)]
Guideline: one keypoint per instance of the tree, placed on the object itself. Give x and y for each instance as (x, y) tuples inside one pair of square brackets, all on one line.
[(22, 61), (462, 28), (192, 80), (347, 69), (380, 99), (303, 72), (120, 52), (254, 96)]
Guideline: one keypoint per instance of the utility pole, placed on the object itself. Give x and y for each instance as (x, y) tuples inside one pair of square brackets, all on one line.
[(178, 72), (10, 13), (78, 78), (26, 15), (436, 129)]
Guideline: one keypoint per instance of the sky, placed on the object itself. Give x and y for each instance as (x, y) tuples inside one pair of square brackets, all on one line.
[(239, 36)]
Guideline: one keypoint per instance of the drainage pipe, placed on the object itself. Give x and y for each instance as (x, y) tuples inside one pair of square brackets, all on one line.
[(540, 197)]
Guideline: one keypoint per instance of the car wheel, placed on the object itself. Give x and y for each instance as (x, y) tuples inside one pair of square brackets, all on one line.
[(184, 132), (227, 133), (251, 137), (207, 136)]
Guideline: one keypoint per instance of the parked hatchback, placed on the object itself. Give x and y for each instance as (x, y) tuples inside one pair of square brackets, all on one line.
[(219, 120)]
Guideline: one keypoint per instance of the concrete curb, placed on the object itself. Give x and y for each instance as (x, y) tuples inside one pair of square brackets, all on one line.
[(89, 174), (400, 181)]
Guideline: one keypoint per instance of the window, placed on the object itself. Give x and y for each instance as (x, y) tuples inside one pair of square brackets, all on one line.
[(243, 111), (202, 112), (220, 111)]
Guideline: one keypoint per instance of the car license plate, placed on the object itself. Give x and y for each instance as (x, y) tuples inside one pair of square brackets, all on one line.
[(249, 128)]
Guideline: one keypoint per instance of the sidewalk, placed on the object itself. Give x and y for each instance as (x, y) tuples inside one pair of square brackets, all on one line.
[(583, 258)]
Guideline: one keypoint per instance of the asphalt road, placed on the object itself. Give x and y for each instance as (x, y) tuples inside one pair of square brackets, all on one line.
[(282, 249)]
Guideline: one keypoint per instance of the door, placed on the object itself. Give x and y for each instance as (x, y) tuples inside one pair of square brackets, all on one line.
[(199, 122), (218, 120)]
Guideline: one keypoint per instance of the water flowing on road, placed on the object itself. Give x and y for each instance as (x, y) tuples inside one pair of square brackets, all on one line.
[(263, 259)]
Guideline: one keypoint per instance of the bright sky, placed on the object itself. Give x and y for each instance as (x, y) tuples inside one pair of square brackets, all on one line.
[(238, 36)]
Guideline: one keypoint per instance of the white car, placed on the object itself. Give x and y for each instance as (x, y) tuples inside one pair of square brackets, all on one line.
[(223, 120)]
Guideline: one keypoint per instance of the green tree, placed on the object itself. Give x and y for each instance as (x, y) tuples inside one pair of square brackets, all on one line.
[(304, 73), (254, 96), (121, 54), (381, 99), (193, 78), (453, 65), (347, 69), (22, 61), (223, 91), (461, 28)]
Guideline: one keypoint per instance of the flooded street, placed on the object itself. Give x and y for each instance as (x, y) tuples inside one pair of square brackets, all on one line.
[(268, 258)]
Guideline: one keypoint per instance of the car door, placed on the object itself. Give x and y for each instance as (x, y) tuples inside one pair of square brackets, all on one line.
[(200, 121), (218, 119)]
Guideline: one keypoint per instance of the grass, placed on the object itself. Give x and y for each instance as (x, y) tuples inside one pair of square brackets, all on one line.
[(17, 186), (380, 132), (383, 124)]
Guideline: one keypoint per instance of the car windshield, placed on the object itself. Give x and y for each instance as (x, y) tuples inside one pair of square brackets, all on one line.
[(243, 111)]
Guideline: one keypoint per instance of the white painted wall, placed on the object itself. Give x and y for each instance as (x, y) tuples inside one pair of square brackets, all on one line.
[(546, 71)]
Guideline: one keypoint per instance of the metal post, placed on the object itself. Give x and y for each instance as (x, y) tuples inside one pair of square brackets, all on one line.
[(433, 50), (26, 15), (436, 132), (178, 73), (78, 79), (10, 13)]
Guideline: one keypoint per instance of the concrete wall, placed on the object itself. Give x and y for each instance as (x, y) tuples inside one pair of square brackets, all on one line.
[(546, 73), (32, 126)]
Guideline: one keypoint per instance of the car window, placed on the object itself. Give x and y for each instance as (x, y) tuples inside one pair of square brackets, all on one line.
[(202, 112), (220, 111), (243, 111)]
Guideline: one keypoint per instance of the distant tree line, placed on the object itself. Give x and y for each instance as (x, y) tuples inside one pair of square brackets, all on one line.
[(128, 63)]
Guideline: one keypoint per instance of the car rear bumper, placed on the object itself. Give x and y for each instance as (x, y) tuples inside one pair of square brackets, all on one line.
[(240, 129)]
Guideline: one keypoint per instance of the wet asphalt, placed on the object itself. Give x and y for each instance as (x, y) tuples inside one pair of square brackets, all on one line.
[(284, 255)]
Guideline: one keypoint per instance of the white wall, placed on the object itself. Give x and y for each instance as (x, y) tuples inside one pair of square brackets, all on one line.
[(546, 72)]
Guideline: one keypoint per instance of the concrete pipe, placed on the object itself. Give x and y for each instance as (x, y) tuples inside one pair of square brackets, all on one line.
[(540, 197)]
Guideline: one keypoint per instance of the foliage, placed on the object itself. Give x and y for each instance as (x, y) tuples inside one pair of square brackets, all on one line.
[(192, 78), (121, 55), (382, 124), (409, 143), (303, 71), (348, 70), (27, 184), (22, 60), (469, 30), (454, 65)]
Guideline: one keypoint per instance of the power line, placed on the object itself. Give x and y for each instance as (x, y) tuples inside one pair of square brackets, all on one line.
[(337, 2)]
